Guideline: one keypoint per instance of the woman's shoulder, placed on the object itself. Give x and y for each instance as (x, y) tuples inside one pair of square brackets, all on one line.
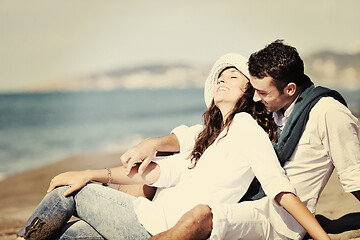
[(246, 126), (244, 116), (245, 120)]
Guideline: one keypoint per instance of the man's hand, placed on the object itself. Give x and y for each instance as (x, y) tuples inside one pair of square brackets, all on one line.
[(75, 180), (144, 152)]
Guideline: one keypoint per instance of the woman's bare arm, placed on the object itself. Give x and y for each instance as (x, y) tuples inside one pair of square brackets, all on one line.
[(78, 179)]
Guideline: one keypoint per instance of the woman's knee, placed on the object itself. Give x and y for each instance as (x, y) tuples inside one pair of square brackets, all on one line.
[(59, 190), (53, 211), (55, 201), (56, 195)]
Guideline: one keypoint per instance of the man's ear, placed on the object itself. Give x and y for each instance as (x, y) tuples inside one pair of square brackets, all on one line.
[(290, 89)]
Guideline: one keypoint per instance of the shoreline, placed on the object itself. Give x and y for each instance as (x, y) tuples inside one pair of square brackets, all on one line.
[(20, 194)]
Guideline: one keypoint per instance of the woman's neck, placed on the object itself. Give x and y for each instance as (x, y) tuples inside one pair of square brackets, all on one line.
[(225, 109), (225, 116)]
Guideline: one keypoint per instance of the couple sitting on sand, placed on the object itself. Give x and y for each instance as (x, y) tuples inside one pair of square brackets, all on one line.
[(239, 146)]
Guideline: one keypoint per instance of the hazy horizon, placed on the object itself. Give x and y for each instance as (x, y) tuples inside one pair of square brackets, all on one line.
[(44, 41)]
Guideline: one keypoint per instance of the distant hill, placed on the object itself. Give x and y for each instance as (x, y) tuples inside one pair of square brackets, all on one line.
[(325, 68), (337, 70), (148, 77)]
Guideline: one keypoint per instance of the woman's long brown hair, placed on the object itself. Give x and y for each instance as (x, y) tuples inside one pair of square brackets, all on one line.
[(213, 122)]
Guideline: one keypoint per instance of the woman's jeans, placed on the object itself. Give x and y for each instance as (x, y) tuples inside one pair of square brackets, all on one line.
[(105, 213)]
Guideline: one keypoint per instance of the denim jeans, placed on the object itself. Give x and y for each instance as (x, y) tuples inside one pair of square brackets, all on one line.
[(105, 213)]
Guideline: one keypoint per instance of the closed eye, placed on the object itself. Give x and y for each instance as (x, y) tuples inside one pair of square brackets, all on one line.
[(260, 93)]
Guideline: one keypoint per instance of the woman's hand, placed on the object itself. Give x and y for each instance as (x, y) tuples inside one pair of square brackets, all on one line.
[(144, 152), (75, 180)]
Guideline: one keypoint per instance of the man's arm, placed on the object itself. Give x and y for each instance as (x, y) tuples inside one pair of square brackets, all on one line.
[(340, 132), (300, 212), (181, 139), (145, 151)]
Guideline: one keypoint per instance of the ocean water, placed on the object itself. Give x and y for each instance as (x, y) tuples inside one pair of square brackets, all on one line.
[(37, 129)]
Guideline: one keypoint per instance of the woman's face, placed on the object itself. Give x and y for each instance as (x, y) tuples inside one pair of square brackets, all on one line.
[(229, 89)]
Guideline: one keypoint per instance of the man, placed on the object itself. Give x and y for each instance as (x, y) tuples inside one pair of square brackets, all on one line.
[(317, 133)]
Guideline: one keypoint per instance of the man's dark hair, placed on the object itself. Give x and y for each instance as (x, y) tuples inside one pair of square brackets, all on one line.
[(279, 61)]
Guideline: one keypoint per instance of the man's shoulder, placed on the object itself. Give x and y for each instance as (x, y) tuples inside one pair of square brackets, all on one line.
[(328, 109), (328, 104)]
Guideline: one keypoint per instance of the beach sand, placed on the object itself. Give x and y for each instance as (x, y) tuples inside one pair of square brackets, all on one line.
[(339, 212)]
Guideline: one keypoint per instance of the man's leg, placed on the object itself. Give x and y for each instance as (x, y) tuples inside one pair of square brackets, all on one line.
[(195, 224)]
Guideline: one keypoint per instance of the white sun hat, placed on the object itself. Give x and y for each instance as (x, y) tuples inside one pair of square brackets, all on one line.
[(227, 60)]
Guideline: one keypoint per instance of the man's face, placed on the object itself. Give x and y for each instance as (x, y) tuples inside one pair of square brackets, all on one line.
[(269, 95)]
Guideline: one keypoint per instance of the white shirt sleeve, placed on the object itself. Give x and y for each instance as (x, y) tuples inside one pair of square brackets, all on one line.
[(171, 169), (261, 157), (187, 136), (339, 131)]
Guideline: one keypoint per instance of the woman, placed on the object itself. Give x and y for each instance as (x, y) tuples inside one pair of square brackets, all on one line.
[(230, 135)]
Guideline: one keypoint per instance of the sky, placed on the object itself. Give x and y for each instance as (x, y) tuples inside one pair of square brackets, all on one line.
[(44, 40)]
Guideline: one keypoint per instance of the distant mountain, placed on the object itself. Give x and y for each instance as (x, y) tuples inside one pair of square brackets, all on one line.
[(324, 68), (337, 70), (148, 77)]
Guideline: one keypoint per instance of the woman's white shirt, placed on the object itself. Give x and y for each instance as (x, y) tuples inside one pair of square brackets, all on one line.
[(222, 175)]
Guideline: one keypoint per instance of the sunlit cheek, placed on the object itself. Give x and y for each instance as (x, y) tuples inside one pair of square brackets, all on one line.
[(244, 84), (215, 94), (238, 95)]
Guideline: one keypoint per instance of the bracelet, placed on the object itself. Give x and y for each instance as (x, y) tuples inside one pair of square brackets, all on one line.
[(110, 178)]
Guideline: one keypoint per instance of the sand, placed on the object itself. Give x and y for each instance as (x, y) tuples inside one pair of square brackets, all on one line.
[(339, 212)]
